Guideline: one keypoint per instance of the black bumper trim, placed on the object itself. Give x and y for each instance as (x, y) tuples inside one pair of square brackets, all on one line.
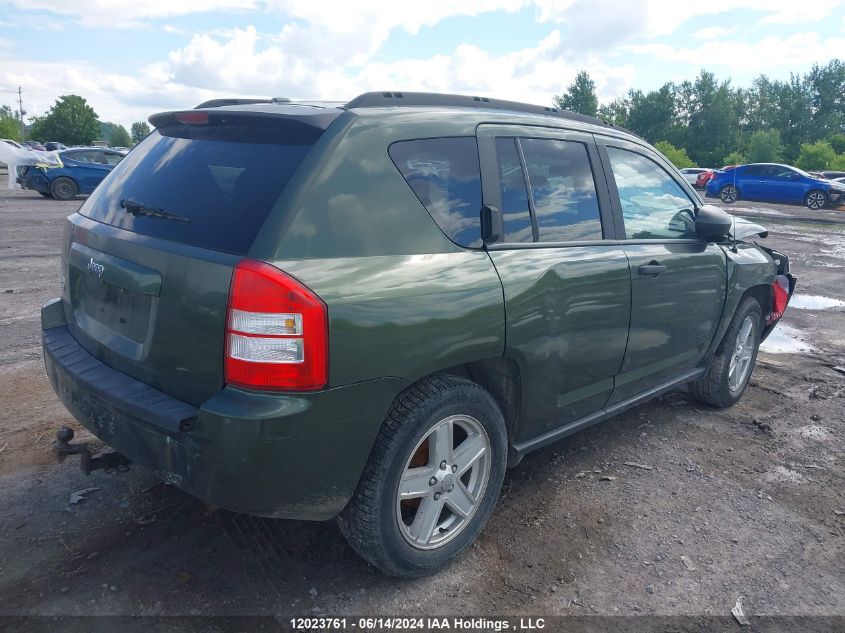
[(132, 396)]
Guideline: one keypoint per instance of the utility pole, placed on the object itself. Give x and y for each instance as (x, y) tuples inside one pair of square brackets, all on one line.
[(21, 113)]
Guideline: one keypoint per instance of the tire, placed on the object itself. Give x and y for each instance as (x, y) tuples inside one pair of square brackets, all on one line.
[(407, 535), (725, 382), (815, 200), (63, 188), (728, 194)]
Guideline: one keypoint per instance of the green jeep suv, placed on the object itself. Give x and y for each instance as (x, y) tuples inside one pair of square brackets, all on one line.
[(370, 310)]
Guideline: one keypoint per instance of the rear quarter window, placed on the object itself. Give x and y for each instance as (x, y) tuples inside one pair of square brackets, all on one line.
[(444, 174)]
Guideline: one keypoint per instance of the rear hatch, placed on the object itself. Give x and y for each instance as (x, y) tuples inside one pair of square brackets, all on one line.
[(148, 258)]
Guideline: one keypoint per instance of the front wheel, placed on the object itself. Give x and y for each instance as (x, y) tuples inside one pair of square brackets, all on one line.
[(732, 364), (728, 194), (432, 480), (816, 200)]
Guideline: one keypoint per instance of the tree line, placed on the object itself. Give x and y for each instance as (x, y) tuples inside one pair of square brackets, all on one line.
[(73, 122), (709, 122)]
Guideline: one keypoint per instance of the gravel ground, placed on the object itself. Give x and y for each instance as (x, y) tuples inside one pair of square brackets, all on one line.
[(740, 502)]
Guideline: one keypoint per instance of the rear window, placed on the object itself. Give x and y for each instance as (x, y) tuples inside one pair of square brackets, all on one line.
[(444, 174), (209, 186)]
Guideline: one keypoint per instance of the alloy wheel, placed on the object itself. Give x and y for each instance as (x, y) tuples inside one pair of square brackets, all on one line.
[(815, 200), (728, 194), (740, 365), (443, 482)]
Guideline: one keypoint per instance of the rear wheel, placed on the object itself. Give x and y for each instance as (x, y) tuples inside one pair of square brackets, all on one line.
[(432, 480), (728, 194), (732, 364), (816, 200), (63, 188)]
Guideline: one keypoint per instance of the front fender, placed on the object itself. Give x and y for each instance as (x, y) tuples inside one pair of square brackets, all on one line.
[(748, 265)]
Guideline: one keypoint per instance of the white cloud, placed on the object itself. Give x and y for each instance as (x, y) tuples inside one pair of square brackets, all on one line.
[(115, 97), (239, 66), (765, 54), (128, 13), (713, 33)]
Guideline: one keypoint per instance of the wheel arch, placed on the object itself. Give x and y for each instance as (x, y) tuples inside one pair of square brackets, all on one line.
[(500, 377)]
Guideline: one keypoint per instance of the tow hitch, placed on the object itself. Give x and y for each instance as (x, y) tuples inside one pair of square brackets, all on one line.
[(109, 462)]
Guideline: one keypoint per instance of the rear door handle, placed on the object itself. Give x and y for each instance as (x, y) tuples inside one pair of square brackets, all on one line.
[(652, 269)]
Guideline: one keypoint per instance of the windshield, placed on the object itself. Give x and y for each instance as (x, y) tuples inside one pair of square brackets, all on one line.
[(219, 181)]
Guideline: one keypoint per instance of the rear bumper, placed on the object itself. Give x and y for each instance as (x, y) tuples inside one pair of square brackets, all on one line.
[(295, 456), (34, 180)]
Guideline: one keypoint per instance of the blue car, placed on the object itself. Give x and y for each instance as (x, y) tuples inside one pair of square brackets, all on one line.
[(83, 169), (774, 183)]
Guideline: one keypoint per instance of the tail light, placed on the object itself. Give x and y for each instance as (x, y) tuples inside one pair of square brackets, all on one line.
[(780, 297), (276, 331)]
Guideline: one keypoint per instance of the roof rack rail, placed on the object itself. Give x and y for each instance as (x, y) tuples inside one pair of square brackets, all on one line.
[(391, 99)]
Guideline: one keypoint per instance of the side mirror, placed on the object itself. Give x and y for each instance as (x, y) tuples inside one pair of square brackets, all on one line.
[(492, 224), (712, 223)]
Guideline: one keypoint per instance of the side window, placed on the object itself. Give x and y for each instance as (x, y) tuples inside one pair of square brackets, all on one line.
[(653, 205), (445, 175), (563, 190), (515, 207), (113, 158), (83, 157)]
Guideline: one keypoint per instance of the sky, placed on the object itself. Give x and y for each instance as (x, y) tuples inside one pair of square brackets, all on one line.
[(131, 58)]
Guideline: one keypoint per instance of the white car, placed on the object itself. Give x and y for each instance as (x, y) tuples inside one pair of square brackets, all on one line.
[(691, 173)]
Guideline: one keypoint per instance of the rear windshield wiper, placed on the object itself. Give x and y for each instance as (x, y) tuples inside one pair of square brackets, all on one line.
[(138, 208)]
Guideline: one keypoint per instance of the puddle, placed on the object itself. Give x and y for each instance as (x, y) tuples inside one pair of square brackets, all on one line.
[(814, 302), (786, 339)]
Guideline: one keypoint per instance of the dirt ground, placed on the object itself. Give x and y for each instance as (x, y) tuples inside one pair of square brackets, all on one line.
[(741, 502)]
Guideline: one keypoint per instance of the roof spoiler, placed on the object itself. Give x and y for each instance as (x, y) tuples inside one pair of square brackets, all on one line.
[(230, 101)]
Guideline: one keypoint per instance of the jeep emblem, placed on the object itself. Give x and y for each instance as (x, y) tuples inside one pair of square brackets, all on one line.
[(96, 269)]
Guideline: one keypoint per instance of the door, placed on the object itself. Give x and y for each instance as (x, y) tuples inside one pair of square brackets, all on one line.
[(89, 168), (678, 282), (783, 184), (751, 181), (565, 278)]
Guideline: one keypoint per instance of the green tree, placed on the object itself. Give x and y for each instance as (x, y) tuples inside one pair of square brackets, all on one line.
[(837, 142), (677, 156), (140, 129), (580, 96), (653, 115), (838, 163), (815, 156), (826, 89), (764, 146), (10, 124), (70, 121), (119, 136), (615, 112), (735, 158), (714, 119)]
